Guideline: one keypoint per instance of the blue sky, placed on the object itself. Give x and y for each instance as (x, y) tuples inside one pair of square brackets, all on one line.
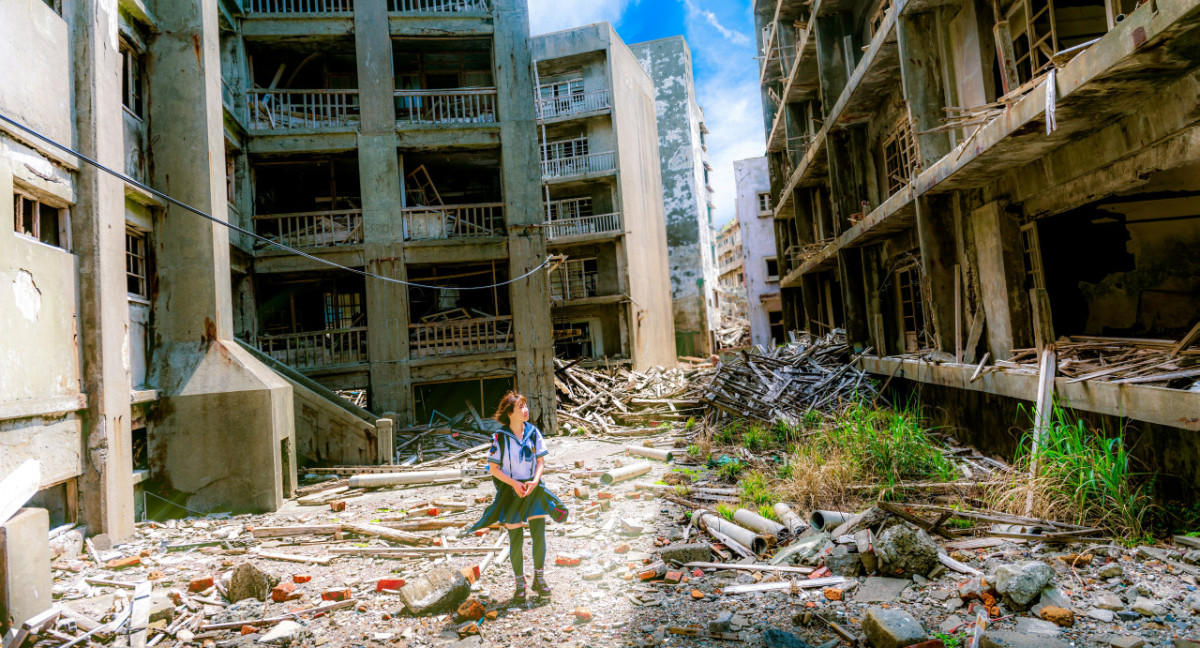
[(721, 36)]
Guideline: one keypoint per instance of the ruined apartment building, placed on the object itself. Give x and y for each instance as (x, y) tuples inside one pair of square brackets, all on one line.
[(731, 276), (761, 264), (600, 169), (937, 199), (687, 194), (149, 351)]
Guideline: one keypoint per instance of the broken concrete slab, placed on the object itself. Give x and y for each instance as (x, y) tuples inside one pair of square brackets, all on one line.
[(1012, 639), (803, 551), (880, 589), (437, 591), (892, 628), (248, 581), (1021, 582), (686, 553), (904, 551)]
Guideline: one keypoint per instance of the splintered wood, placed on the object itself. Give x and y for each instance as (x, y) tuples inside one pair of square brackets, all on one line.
[(1120, 361), (784, 383), (621, 402)]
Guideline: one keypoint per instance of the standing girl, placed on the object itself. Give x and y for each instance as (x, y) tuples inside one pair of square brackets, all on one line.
[(516, 463)]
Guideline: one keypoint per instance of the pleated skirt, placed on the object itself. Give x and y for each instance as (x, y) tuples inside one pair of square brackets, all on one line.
[(510, 508)]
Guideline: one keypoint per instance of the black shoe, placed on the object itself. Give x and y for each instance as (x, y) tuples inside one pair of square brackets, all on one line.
[(519, 595), (540, 587)]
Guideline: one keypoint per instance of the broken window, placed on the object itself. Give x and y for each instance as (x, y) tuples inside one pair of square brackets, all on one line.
[(574, 340), (912, 307), (570, 208), (575, 279), (877, 18), (1041, 28), (443, 70), (1032, 254), (132, 80), (136, 272), (900, 156), (764, 203), (38, 220), (775, 321), (772, 268), (562, 88), (565, 148)]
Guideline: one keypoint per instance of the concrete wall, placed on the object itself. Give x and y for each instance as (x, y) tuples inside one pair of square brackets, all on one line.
[(690, 239), (758, 243)]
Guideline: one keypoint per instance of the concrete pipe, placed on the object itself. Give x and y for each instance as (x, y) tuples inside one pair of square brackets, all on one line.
[(822, 520), (769, 529), (626, 472), (650, 453), (402, 479), (751, 540), (794, 523)]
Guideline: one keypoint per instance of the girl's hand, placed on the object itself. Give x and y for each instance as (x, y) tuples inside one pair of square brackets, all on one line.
[(520, 488), (529, 486)]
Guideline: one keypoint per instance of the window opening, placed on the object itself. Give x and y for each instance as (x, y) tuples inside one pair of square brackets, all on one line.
[(132, 79), (570, 208), (38, 220), (878, 17), (566, 148), (772, 268), (1032, 256), (574, 340), (775, 321), (575, 279), (912, 307), (900, 156), (136, 264), (764, 203)]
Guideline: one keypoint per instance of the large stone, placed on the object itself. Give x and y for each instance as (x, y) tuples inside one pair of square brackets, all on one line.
[(686, 553), (284, 633), (1148, 607), (1011, 639), (1111, 570), (1110, 602), (892, 628), (804, 551), (775, 638), (1020, 583), (251, 582), (162, 608), (904, 551), (1029, 625), (1121, 641), (844, 563), (436, 591), (1103, 616)]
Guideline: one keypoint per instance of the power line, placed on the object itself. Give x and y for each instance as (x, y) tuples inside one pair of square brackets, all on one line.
[(241, 230)]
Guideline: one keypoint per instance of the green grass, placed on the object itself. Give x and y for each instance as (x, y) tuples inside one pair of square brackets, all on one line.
[(725, 511), (754, 438), (754, 490), (731, 470), (890, 445), (690, 425), (949, 640), (768, 511)]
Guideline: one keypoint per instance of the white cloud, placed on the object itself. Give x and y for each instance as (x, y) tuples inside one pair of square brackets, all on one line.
[(737, 38), (554, 15)]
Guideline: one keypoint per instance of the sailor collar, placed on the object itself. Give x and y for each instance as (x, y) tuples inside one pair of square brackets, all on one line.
[(525, 439)]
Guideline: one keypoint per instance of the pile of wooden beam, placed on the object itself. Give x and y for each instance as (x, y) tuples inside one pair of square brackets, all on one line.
[(735, 333), (786, 382), (622, 402), (1165, 363)]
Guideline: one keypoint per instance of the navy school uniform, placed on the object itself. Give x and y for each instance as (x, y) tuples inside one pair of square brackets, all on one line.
[(517, 458)]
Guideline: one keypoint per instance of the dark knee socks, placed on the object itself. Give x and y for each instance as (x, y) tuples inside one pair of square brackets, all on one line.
[(516, 542), (537, 529)]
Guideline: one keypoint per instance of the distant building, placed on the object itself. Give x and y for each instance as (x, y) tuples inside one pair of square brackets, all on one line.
[(731, 279), (755, 216), (601, 175), (687, 193)]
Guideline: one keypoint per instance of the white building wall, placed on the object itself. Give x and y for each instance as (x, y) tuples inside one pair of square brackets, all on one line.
[(758, 243)]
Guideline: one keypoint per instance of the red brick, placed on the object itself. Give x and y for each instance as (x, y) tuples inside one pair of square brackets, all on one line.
[(470, 573), (604, 495), (470, 610), (566, 560), (122, 563), (389, 584), (468, 629), (249, 630), (337, 506), (932, 643), (582, 614), (301, 578), (697, 594), (621, 548), (833, 594), (284, 592), (673, 577), (200, 584), (698, 573), (341, 594)]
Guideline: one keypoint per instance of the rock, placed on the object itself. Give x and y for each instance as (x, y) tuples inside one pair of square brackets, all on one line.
[(803, 551), (952, 622), (1030, 625), (903, 551), (686, 553), (244, 609), (1128, 615), (1121, 641), (721, 624), (1103, 616), (892, 628), (843, 563), (1192, 604), (1192, 557), (1020, 583), (436, 591), (284, 633), (470, 610), (1111, 570), (251, 582), (877, 589), (1110, 602), (1011, 639), (1148, 607), (774, 638), (474, 641), (1051, 596), (1059, 616), (162, 608)]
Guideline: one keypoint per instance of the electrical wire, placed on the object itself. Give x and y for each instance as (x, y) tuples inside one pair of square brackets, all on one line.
[(240, 230)]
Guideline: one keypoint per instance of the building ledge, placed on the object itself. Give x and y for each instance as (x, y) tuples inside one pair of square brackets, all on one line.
[(802, 84), (590, 114), (440, 24), (49, 406), (139, 396), (1157, 405), (599, 300)]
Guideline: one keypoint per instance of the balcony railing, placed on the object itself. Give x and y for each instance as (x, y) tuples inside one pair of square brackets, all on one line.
[(316, 349), (457, 337), (453, 221), (579, 165), (583, 225), (299, 6), (438, 6), (474, 106), (575, 104), (312, 229), (289, 109)]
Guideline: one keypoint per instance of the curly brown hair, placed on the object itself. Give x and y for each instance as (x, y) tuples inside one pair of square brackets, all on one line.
[(507, 404)]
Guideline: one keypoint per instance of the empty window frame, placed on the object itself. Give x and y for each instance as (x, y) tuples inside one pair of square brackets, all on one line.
[(912, 307), (36, 219), (561, 88), (442, 70), (775, 321), (570, 208), (877, 18), (137, 267), (132, 80), (764, 203), (55, 5), (900, 155), (343, 310), (772, 264), (1040, 28), (574, 340), (575, 279), (1032, 255), (565, 148)]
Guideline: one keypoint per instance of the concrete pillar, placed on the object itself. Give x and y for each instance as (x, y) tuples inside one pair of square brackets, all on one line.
[(24, 567), (854, 302), (523, 209), (935, 232), (224, 431), (831, 56), (1001, 275), (921, 77), (872, 281), (98, 239)]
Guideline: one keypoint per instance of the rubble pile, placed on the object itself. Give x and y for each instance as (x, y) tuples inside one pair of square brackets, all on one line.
[(781, 384), (444, 437), (734, 333), (622, 402)]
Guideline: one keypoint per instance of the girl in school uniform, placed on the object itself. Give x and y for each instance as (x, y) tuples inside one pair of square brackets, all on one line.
[(516, 462)]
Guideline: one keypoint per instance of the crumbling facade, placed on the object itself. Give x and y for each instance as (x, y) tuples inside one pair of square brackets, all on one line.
[(687, 194), (754, 216), (962, 180), (731, 266), (602, 182)]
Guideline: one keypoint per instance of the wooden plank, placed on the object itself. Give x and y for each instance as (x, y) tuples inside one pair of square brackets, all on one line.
[(958, 566), (139, 622), (913, 519), (808, 583), (393, 535), (974, 543), (286, 531), (328, 607), (296, 558), (752, 567), (1187, 340)]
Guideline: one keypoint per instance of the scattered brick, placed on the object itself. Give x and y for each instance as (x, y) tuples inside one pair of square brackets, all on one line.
[(389, 584), (820, 573), (200, 584), (248, 630), (566, 560), (604, 495), (698, 573), (833, 594), (582, 614), (341, 594), (491, 615), (301, 578), (122, 563), (621, 548), (467, 629), (284, 592), (470, 610), (470, 573), (697, 594), (673, 577), (337, 506), (155, 575), (1060, 616)]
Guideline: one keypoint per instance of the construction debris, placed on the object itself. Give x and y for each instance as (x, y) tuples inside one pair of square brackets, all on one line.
[(1164, 363)]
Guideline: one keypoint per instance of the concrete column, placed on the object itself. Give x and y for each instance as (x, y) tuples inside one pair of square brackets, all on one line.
[(854, 302), (98, 233), (523, 209), (831, 56), (224, 433), (1001, 274), (921, 78), (872, 280), (935, 233)]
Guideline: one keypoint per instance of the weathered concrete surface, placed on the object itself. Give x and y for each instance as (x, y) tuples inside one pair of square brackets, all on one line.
[(24, 567), (758, 244)]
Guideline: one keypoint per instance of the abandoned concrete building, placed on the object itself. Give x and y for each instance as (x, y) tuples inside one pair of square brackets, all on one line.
[(731, 278), (602, 180), (759, 260), (147, 347), (948, 205), (687, 194)]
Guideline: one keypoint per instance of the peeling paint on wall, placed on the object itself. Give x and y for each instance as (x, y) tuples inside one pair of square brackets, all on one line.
[(27, 295)]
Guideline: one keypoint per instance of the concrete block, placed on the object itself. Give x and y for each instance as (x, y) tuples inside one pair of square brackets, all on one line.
[(24, 566), (892, 628)]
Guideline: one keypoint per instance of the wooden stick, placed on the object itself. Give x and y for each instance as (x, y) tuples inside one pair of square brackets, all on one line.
[(316, 560), (393, 535), (328, 607), (756, 567), (809, 583)]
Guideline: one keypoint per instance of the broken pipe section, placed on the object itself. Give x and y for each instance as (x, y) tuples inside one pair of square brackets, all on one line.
[(626, 472), (822, 520), (747, 538)]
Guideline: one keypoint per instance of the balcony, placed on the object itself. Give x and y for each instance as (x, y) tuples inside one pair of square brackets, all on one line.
[(573, 104), (299, 6), (453, 221), (584, 226), (301, 109), (317, 349), (459, 337), (312, 229), (578, 165), (462, 106), (439, 6)]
